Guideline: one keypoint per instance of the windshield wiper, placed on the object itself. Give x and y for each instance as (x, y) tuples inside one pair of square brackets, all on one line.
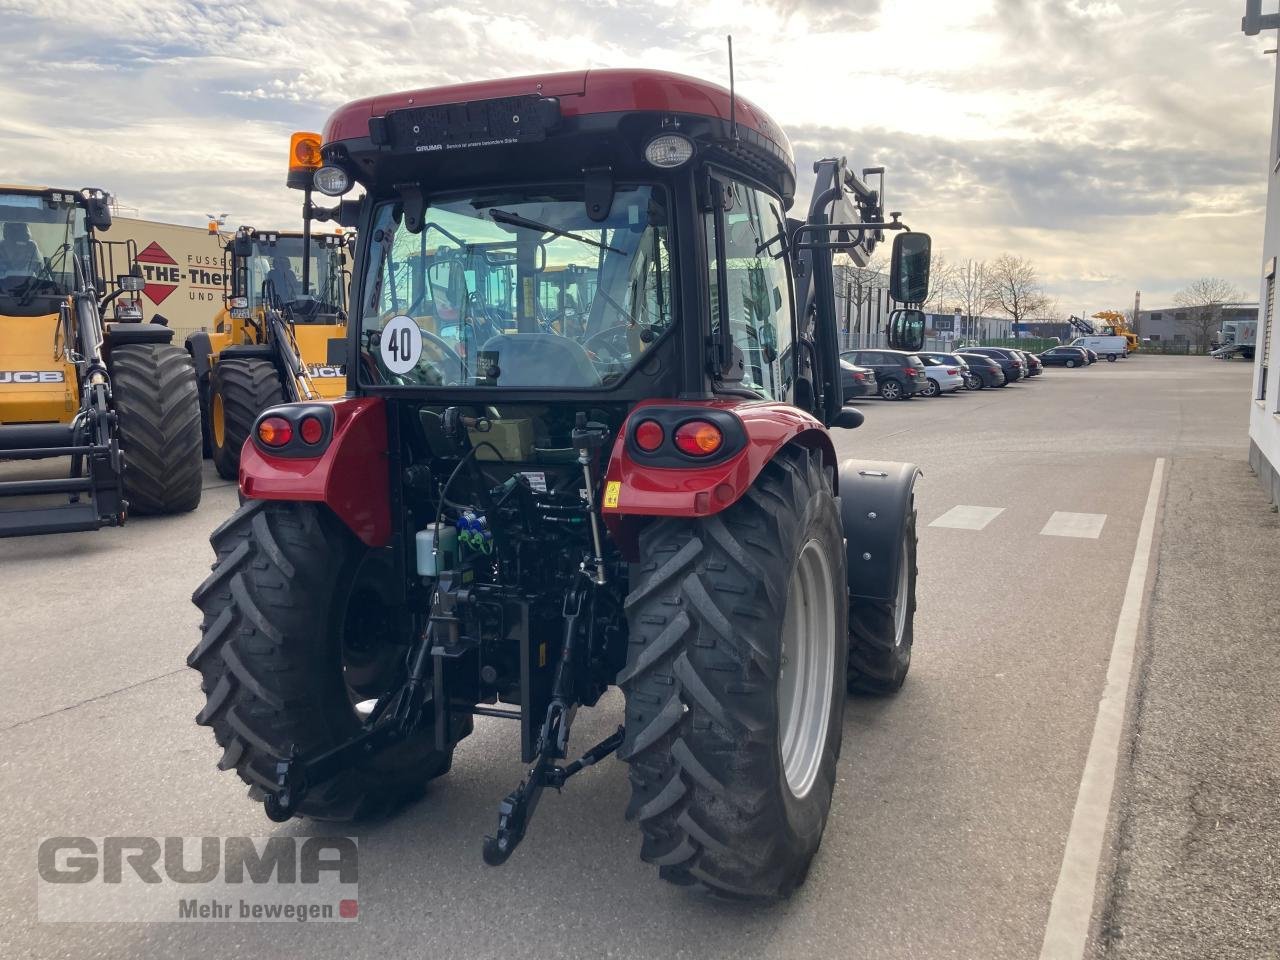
[(504, 216)]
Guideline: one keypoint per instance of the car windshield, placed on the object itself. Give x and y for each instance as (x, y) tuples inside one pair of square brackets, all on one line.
[(516, 288), (38, 235), (273, 273)]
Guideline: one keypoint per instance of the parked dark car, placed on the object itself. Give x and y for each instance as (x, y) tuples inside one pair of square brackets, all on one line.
[(1093, 355), (1065, 357), (1010, 361), (857, 381), (988, 372), (899, 375), (1034, 366)]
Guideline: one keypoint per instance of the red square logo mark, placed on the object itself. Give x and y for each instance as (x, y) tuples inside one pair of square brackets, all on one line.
[(348, 909)]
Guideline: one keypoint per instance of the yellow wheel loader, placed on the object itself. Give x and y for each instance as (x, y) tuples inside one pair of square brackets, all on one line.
[(287, 299), (114, 396)]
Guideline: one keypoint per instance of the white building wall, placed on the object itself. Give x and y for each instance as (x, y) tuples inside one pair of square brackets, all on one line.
[(1264, 412)]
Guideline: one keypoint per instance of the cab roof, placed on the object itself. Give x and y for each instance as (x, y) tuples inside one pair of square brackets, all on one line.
[(581, 93)]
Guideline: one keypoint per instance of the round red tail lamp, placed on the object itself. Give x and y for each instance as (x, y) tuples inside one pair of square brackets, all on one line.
[(698, 438), (275, 431), (649, 435), (311, 430)]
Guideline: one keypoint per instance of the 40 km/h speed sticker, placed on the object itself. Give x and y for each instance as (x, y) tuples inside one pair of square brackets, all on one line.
[(401, 344)]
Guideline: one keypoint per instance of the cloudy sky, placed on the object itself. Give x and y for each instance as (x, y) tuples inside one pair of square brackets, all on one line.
[(1119, 145)]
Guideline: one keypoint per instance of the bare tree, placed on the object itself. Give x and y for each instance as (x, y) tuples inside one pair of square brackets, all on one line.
[(971, 292), (941, 280), (860, 288), (1203, 300), (1015, 287)]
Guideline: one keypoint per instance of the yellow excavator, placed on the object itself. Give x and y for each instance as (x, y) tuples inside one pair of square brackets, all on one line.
[(286, 300), (82, 377), (1115, 325)]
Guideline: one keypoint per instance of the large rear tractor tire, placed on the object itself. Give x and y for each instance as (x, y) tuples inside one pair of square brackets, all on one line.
[(299, 629), (734, 684), (153, 389), (239, 390), (881, 632)]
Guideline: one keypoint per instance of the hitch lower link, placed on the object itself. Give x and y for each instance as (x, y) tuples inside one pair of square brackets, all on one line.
[(297, 774), (515, 812)]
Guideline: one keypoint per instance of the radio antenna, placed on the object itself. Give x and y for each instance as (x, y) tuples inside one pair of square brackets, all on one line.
[(733, 99)]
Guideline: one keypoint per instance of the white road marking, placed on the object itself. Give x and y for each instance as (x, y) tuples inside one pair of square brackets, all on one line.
[(1066, 934), (967, 518), (1087, 526)]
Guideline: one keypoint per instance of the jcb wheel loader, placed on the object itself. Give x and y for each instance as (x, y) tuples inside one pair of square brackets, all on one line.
[(115, 397), (270, 341), (508, 513)]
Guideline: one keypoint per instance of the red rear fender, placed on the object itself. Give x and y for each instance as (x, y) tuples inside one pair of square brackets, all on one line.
[(635, 489), (349, 475)]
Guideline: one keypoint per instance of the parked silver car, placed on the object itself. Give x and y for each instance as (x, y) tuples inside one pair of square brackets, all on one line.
[(945, 373)]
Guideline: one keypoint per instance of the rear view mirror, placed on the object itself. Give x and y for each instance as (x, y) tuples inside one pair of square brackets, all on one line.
[(848, 418), (242, 246), (906, 330), (97, 209), (909, 268)]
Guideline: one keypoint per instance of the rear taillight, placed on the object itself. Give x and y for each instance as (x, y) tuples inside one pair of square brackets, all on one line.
[(909, 371), (275, 431), (953, 370), (311, 430), (698, 438), (859, 378), (649, 435)]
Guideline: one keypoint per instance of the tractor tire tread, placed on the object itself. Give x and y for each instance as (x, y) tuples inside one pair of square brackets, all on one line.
[(153, 388)]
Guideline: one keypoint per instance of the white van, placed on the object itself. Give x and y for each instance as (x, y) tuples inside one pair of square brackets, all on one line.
[(1113, 348)]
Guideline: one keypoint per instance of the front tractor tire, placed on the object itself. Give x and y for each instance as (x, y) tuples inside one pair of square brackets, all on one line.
[(239, 390), (153, 389), (881, 631), (298, 630), (734, 684)]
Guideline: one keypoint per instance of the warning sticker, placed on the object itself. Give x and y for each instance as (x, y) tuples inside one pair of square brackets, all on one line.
[(611, 491)]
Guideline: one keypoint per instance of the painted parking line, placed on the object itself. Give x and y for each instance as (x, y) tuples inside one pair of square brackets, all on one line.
[(1066, 935), (1087, 526), (963, 517)]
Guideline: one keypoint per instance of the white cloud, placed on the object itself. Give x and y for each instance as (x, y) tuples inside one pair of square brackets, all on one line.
[(1118, 144)]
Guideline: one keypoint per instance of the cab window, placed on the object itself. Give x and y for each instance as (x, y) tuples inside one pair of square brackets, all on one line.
[(747, 269)]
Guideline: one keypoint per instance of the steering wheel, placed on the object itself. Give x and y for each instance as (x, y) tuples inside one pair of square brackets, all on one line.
[(450, 357), (609, 345)]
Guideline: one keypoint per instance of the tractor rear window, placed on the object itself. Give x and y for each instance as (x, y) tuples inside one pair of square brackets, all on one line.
[(516, 288)]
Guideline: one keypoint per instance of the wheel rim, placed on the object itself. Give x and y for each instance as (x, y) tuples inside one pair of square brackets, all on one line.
[(807, 672), (217, 420), (890, 390), (901, 601)]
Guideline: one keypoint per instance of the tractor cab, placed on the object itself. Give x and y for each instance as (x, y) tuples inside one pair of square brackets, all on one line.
[(271, 270), (591, 365)]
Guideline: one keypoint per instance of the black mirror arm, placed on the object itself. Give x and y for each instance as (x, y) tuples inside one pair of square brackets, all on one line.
[(860, 228)]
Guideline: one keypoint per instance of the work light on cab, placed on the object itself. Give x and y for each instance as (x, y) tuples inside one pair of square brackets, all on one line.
[(275, 431), (332, 181), (698, 438), (304, 159), (668, 151)]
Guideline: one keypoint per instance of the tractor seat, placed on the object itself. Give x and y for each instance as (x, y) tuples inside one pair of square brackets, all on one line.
[(540, 360)]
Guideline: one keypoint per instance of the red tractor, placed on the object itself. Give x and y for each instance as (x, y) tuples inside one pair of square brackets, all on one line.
[(591, 370)]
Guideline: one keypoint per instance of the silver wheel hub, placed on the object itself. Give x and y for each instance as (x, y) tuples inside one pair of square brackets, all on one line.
[(901, 602), (807, 673)]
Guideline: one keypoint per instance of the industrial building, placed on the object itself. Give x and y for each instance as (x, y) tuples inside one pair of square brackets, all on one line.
[(1264, 412)]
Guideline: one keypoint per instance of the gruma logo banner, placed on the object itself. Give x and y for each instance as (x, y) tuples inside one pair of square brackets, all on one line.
[(160, 271)]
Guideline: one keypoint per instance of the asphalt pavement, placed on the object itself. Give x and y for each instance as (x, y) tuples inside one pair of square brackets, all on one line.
[(955, 798)]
